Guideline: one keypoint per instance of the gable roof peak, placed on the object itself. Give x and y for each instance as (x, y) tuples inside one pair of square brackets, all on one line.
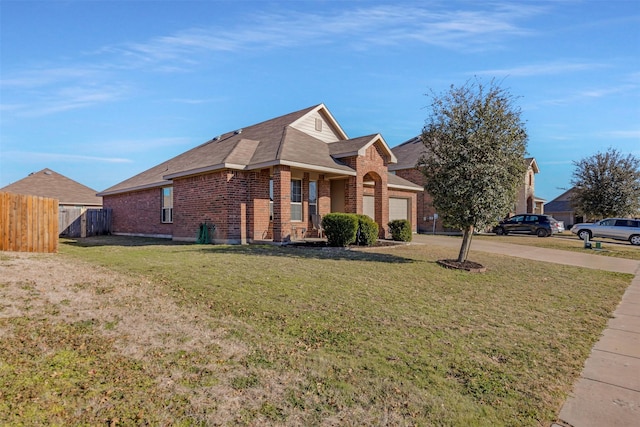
[(326, 114)]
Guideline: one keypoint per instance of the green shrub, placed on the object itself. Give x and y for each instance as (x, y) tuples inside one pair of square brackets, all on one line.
[(367, 233), (340, 228), (400, 230)]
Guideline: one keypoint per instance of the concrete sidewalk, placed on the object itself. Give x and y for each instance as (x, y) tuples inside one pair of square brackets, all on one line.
[(607, 394)]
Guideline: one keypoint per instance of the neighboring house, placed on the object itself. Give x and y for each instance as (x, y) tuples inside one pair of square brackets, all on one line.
[(408, 153), (47, 183), (527, 202), (73, 198), (269, 181), (562, 209)]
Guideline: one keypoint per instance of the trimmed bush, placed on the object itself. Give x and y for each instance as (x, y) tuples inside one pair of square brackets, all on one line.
[(400, 230), (367, 233), (340, 228)]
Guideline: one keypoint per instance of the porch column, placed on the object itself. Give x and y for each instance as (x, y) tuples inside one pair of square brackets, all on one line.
[(355, 192), (382, 205), (324, 195), (281, 203)]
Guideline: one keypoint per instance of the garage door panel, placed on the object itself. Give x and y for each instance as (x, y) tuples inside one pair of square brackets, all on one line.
[(398, 208)]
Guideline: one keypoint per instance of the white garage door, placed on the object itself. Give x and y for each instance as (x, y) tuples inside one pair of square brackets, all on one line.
[(398, 208), (369, 206)]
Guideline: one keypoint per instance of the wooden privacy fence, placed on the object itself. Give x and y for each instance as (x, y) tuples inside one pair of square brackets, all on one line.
[(76, 222), (28, 223)]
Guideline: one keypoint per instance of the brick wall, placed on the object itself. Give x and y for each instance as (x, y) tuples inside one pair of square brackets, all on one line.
[(219, 198), (373, 165), (425, 209), (281, 203), (138, 213)]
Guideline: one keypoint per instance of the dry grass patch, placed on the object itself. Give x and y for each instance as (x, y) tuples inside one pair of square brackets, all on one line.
[(257, 335)]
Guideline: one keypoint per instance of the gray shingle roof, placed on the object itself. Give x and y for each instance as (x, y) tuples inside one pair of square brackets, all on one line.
[(562, 203), (47, 183), (396, 181), (261, 145), (558, 206), (408, 153)]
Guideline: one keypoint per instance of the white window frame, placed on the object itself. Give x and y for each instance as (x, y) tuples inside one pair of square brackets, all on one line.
[(313, 198), (166, 214), (296, 201)]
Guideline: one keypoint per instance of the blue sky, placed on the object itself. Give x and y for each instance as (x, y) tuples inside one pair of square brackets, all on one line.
[(102, 90)]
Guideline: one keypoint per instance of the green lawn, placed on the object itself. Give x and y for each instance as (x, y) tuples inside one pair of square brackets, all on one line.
[(305, 336)]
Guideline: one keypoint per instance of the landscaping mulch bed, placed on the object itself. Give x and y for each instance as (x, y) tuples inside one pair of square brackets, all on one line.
[(470, 266)]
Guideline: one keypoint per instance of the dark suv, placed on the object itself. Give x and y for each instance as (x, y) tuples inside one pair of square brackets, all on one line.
[(540, 225)]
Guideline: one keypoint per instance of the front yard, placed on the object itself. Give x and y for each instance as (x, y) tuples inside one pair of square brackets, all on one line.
[(133, 331)]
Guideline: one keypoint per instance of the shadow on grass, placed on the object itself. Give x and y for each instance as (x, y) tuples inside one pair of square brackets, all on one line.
[(89, 242), (289, 251), (293, 251)]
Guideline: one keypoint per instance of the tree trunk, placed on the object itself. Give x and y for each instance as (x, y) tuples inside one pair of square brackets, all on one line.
[(466, 244)]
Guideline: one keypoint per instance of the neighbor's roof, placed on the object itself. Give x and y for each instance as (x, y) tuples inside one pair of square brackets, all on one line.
[(530, 161), (394, 181), (408, 153), (278, 141), (559, 206), (47, 183), (562, 203)]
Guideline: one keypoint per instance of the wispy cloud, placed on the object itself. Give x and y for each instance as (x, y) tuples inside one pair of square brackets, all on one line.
[(31, 156), (542, 69), (88, 80), (355, 28), (622, 134), (44, 76), (65, 98), (591, 94)]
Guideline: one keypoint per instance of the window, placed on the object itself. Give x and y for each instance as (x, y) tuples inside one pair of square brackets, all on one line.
[(626, 223), (271, 200), (296, 200), (313, 198), (167, 205)]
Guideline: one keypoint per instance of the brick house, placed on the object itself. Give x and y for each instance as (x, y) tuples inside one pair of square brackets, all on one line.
[(269, 181), (409, 152)]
